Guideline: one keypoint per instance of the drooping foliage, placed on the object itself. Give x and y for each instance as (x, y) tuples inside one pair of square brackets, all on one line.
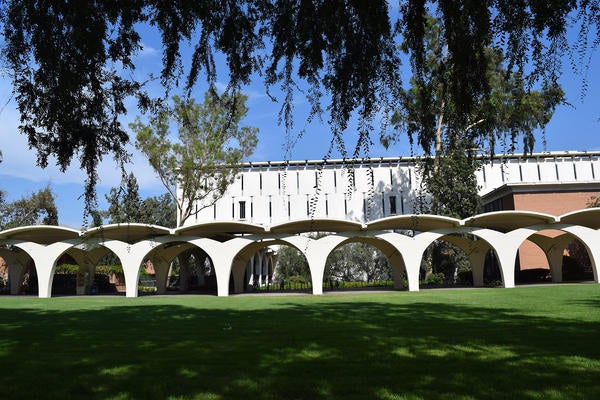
[(73, 64), (450, 137), (209, 136)]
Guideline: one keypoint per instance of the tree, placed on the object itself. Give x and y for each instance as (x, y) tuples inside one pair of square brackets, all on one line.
[(125, 205), (432, 117), (291, 266), (72, 64), (357, 262), (209, 138), (38, 208), (593, 201), (1, 191)]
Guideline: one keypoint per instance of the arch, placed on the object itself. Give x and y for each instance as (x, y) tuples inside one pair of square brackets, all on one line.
[(367, 274), (252, 260), (391, 253)]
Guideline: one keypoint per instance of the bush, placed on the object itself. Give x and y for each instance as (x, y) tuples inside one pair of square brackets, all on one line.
[(533, 275), (436, 279), (109, 269), (67, 269)]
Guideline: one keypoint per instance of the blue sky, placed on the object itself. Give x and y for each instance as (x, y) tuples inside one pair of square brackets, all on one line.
[(574, 127)]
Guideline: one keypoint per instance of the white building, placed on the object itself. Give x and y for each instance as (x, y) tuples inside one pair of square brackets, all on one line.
[(269, 192)]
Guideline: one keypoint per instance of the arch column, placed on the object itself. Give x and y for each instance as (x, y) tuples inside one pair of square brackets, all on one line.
[(87, 261), (131, 257), (591, 240), (44, 258), (16, 264), (398, 267)]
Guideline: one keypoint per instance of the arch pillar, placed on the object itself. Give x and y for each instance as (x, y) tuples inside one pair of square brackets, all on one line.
[(238, 271), (87, 261), (397, 264), (591, 240), (44, 258), (131, 257), (16, 264), (477, 260)]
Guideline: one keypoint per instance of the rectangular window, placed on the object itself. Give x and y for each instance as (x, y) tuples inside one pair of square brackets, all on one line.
[(401, 203), (335, 180), (215, 211), (242, 182), (345, 207), (242, 210), (289, 207), (270, 208), (393, 205), (326, 206), (251, 209)]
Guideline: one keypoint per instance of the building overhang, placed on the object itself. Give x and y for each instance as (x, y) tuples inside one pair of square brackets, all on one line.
[(317, 225), (210, 229), (415, 222), (528, 187), (589, 218), (126, 232), (505, 221), (42, 234)]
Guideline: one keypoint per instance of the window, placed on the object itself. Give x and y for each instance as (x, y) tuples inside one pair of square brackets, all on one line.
[(242, 210), (393, 205)]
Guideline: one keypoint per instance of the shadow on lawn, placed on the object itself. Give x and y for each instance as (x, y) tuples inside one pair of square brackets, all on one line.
[(311, 351)]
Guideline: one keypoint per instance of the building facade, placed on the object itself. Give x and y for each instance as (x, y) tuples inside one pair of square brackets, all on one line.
[(269, 193)]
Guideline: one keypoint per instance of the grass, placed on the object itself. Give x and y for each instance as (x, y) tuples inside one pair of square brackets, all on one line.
[(523, 343)]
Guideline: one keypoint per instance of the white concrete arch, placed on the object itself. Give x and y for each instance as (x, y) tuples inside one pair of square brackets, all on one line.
[(372, 239), (475, 248), (44, 258), (244, 249), (16, 262)]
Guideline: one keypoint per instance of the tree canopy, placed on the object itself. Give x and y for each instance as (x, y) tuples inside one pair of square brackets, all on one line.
[(197, 168), (72, 64), (126, 205), (38, 208), (430, 116)]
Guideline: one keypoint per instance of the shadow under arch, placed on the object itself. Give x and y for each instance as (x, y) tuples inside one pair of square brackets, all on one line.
[(554, 255), (481, 255), (254, 268), (393, 266), (180, 266), (19, 272), (99, 271)]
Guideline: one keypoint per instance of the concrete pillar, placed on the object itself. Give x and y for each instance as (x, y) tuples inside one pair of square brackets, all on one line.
[(16, 263), (238, 269), (161, 271), (44, 258), (477, 259), (316, 264), (555, 259), (398, 268), (184, 275)]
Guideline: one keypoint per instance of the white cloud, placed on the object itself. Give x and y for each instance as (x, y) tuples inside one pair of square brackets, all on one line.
[(147, 51)]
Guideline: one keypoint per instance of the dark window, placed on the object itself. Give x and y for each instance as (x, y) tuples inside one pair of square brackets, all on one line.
[(393, 205), (242, 210)]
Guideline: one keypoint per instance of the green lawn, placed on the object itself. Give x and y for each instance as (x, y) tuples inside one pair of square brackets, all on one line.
[(523, 343)]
